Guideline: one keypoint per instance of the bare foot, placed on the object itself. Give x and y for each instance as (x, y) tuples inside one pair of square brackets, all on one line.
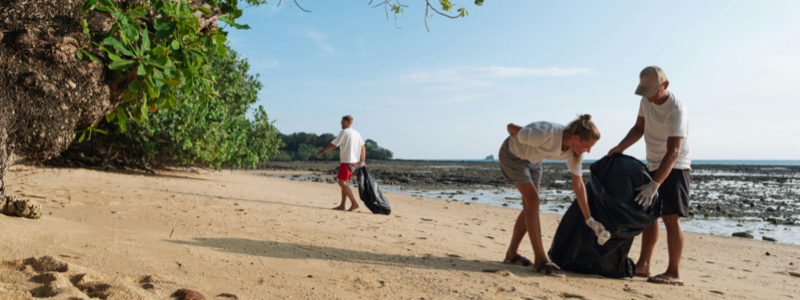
[(353, 208), (641, 271), (340, 207)]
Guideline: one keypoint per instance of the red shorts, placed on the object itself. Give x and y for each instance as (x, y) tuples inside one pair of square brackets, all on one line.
[(346, 171)]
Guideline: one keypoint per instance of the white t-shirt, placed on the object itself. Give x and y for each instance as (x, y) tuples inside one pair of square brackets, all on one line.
[(349, 142), (538, 141), (663, 121)]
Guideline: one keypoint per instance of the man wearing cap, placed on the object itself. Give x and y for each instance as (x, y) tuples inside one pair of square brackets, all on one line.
[(664, 123)]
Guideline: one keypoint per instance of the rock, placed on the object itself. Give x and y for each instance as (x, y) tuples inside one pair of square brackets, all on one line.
[(768, 239), (743, 234), (16, 206), (474, 198), (185, 294)]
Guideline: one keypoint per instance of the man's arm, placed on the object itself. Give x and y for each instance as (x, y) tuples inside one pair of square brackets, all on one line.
[(329, 148), (673, 149), (633, 136), (363, 156)]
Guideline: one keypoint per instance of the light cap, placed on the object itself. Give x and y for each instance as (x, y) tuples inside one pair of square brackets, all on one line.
[(650, 79)]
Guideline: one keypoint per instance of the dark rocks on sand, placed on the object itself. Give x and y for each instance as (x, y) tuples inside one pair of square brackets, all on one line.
[(768, 239), (743, 234), (185, 294)]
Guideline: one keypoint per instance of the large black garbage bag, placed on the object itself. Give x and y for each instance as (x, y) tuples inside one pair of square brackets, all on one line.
[(611, 197), (370, 193)]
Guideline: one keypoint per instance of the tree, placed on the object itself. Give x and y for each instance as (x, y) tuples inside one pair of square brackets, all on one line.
[(212, 131), (65, 64)]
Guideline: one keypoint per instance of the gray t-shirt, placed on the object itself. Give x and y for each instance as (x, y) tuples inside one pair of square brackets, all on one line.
[(538, 141)]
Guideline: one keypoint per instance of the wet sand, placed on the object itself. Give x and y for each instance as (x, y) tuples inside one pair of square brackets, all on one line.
[(232, 235)]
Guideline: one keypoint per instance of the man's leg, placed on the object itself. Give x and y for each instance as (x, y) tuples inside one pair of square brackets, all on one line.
[(344, 197), (349, 193), (649, 239), (674, 245)]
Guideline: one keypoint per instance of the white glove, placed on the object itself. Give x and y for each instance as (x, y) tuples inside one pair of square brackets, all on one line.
[(647, 193), (597, 227), (599, 231)]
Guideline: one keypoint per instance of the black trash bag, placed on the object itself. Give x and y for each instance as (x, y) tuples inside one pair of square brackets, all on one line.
[(611, 193), (370, 193)]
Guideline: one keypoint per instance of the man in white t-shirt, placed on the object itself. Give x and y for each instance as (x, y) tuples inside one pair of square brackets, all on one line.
[(664, 123), (351, 152)]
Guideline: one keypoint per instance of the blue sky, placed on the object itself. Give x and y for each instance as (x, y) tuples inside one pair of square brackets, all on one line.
[(449, 94)]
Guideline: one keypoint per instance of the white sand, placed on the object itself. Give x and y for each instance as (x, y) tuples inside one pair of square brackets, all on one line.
[(256, 237)]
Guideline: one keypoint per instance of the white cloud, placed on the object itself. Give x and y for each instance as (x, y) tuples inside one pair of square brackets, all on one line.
[(320, 39), (471, 77)]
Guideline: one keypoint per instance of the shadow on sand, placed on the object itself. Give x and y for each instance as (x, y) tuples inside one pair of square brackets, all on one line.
[(299, 251)]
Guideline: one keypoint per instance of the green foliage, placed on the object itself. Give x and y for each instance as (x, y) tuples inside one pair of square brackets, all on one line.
[(210, 131), (157, 51), (304, 146), (376, 152)]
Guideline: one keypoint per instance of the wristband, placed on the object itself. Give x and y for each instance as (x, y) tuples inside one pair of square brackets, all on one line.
[(589, 220)]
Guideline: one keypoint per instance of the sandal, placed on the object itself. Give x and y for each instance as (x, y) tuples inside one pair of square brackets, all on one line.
[(518, 260), (663, 279), (549, 269)]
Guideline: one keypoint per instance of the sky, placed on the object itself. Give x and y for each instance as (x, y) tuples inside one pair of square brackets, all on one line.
[(449, 93)]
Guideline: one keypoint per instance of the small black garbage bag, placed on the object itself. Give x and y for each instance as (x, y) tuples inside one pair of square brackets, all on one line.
[(370, 193), (611, 193)]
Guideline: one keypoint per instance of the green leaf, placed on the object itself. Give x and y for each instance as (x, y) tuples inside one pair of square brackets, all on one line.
[(232, 23), (141, 71), (169, 81), (88, 5), (79, 54), (98, 130), (158, 51), (102, 8), (117, 45), (130, 31), (165, 30), (205, 10), (111, 116), (135, 85), (86, 29), (146, 41), (175, 45), (80, 140), (111, 54), (108, 3), (121, 64), (92, 57), (129, 96), (143, 109), (123, 118)]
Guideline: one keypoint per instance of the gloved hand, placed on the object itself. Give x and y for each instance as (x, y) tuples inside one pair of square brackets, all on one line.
[(597, 227), (647, 193)]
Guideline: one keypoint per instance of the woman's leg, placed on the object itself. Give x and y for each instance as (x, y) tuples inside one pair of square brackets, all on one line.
[(530, 210)]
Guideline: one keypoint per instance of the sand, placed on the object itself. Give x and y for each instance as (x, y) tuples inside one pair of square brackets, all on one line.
[(231, 235)]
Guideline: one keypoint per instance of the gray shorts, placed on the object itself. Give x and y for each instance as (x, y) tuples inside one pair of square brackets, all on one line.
[(517, 170)]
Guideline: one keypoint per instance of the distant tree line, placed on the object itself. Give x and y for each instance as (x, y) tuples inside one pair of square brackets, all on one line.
[(304, 146)]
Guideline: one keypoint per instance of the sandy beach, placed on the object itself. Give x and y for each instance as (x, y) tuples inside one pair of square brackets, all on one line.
[(233, 235)]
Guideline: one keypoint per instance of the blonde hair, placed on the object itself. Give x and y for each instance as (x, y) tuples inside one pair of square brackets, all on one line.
[(584, 128)]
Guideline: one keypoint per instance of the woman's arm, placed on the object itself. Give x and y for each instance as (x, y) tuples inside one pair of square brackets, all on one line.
[(513, 129), (580, 193)]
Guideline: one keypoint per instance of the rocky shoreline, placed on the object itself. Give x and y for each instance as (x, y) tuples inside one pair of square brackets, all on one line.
[(768, 193)]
